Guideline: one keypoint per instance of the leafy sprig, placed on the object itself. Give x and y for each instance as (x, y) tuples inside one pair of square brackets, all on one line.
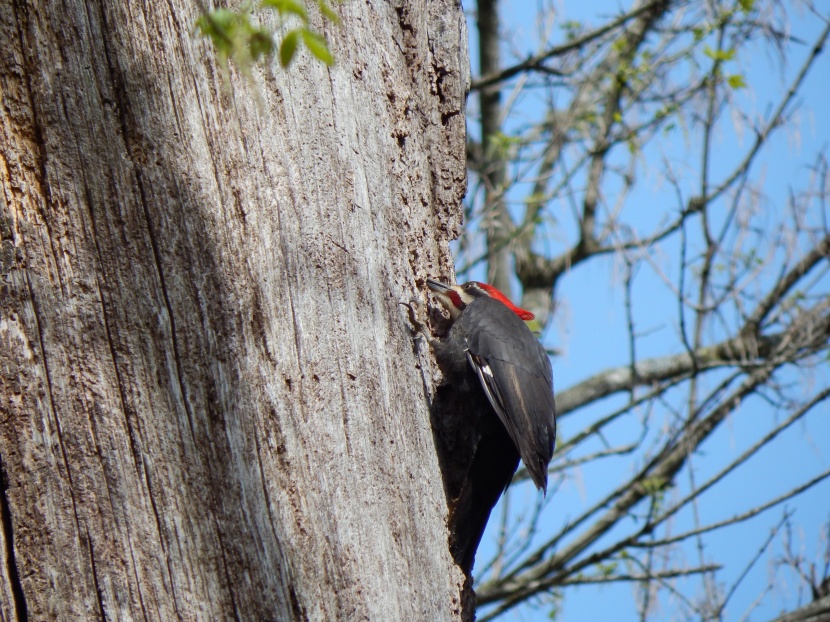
[(236, 37)]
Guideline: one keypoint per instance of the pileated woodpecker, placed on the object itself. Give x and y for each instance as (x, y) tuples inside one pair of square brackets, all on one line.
[(492, 358)]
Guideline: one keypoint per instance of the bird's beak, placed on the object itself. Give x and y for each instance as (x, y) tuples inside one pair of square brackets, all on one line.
[(438, 287)]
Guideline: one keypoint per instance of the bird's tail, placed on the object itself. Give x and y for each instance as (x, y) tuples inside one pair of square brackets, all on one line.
[(492, 468)]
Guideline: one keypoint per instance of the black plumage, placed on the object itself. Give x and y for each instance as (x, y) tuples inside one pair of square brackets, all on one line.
[(505, 376), (517, 378)]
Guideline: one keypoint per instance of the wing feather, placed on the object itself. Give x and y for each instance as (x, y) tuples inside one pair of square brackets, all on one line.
[(516, 376)]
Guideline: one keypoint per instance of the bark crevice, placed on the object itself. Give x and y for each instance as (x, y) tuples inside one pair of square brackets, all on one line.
[(18, 595)]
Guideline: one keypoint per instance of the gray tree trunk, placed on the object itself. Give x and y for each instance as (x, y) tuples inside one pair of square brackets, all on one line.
[(211, 407)]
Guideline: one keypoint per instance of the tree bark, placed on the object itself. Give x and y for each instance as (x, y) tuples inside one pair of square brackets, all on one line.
[(211, 407)]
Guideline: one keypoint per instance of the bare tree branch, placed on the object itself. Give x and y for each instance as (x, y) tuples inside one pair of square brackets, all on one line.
[(536, 63), (738, 351), (617, 578)]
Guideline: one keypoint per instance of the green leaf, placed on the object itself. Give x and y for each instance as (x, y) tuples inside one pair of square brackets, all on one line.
[(501, 140), (317, 46), (328, 12), (219, 27), (655, 484), (215, 20), (288, 7), (535, 327), (736, 81), (719, 55), (231, 34), (535, 198), (746, 5), (261, 43), (288, 47)]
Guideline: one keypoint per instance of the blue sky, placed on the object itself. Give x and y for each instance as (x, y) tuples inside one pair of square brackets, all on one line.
[(590, 332)]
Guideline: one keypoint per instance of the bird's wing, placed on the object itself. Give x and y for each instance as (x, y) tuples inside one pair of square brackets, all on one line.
[(516, 375)]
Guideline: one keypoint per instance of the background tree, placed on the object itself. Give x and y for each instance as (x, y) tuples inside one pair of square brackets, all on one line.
[(210, 403), (644, 145)]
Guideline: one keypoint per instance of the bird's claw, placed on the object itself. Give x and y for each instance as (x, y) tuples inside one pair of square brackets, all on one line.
[(414, 310)]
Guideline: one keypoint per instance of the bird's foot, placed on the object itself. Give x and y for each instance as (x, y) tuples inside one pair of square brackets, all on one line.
[(415, 311)]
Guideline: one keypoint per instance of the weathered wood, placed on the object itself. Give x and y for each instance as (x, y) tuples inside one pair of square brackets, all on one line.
[(210, 402)]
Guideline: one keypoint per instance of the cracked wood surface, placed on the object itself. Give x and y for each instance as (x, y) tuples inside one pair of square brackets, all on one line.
[(210, 404)]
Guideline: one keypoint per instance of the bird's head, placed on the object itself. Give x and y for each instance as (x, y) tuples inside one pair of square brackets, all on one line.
[(456, 297)]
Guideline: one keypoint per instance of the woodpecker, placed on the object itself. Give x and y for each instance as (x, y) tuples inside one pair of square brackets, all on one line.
[(493, 358)]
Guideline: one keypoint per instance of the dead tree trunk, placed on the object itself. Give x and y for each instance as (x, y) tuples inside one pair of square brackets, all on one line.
[(211, 407)]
